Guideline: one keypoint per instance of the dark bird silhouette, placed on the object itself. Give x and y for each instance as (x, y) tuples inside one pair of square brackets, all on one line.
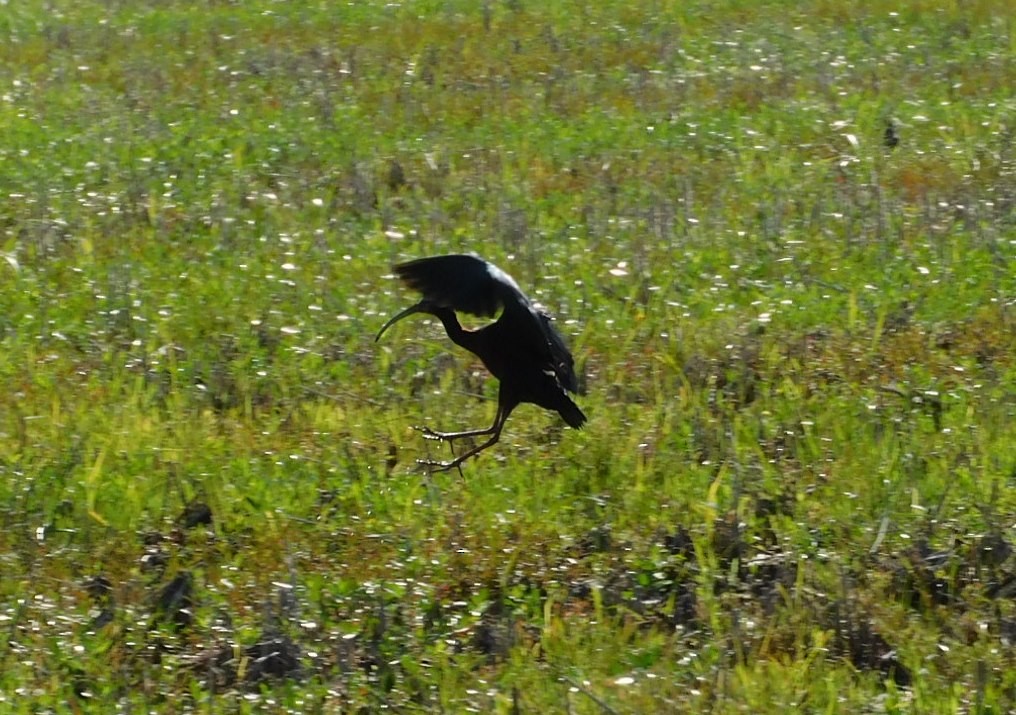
[(891, 137), (522, 349)]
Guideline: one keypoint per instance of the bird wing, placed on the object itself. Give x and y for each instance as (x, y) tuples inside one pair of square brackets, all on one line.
[(561, 360), (534, 331), (461, 282)]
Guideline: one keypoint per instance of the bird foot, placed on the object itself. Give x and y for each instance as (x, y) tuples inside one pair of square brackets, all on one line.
[(435, 466), (428, 433)]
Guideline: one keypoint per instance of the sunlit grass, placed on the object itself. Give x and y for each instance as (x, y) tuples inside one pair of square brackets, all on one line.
[(795, 490)]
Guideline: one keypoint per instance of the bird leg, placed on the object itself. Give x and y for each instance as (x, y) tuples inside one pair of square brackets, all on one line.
[(428, 433), (444, 466), (499, 418), (494, 431)]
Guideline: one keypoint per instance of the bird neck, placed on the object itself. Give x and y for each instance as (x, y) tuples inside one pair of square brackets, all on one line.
[(459, 335)]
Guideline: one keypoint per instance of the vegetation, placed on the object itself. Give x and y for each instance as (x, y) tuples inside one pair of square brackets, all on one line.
[(795, 329)]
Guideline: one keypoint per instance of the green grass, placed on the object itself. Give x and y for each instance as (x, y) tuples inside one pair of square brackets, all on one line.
[(795, 492)]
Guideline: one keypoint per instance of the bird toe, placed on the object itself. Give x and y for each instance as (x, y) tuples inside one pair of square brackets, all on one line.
[(436, 466), (428, 433)]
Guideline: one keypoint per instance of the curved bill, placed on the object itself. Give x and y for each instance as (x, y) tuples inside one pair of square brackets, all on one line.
[(418, 308)]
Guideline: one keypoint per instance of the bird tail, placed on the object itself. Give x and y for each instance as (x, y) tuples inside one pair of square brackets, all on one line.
[(571, 413)]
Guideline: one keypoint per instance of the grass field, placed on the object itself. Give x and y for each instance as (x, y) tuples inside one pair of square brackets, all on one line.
[(797, 488)]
